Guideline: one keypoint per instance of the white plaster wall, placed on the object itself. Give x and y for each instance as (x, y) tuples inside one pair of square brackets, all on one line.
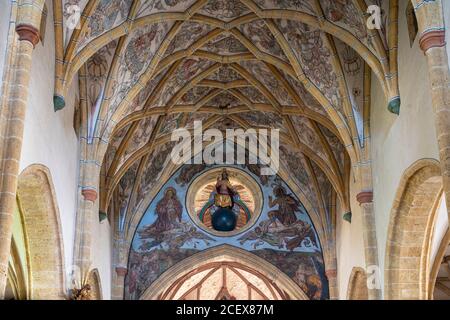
[(5, 13), (349, 243), (440, 229), (399, 141), (102, 255), (49, 137)]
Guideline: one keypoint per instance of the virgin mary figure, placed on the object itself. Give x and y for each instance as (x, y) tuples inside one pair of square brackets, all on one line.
[(168, 210)]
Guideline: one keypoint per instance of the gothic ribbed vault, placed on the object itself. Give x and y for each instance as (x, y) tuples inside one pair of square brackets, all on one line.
[(148, 67)]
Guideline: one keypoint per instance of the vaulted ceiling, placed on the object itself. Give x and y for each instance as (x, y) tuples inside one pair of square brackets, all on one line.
[(148, 67)]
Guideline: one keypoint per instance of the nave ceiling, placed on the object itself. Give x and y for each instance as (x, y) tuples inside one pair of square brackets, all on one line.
[(146, 68)]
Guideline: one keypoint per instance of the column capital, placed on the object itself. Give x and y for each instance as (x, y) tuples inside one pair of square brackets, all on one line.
[(364, 197), (432, 39), (29, 33), (89, 194), (121, 271), (331, 273)]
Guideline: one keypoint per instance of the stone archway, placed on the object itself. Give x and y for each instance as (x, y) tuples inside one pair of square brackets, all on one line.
[(357, 285), (38, 204), (94, 281), (409, 233), (272, 283)]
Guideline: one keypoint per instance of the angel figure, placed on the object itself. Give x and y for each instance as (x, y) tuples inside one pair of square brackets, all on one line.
[(287, 206)]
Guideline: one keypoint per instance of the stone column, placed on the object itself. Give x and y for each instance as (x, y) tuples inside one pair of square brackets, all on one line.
[(121, 261), (12, 142), (330, 260), (332, 283), (365, 200), (433, 43), (83, 232), (119, 284)]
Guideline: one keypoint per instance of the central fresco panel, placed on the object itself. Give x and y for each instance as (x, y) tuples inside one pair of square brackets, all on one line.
[(280, 232)]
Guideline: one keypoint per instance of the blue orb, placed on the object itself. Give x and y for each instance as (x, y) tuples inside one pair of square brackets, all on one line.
[(224, 220)]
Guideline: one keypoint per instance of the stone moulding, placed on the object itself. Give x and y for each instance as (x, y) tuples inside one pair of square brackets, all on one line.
[(89, 194), (394, 105), (364, 197), (432, 39), (28, 33)]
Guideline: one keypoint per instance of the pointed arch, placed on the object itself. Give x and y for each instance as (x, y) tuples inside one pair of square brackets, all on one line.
[(265, 271), (357, 285), (96, 287), (37, 201), (409, 233)]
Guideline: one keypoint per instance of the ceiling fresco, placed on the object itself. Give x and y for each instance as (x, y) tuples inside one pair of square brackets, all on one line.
[(149, 67), (166, 234)]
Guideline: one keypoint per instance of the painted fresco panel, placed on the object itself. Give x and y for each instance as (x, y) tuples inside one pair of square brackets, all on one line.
[(283, 235)]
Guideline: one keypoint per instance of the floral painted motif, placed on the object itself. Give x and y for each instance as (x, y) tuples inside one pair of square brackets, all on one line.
[(107, 15), (144, 94), (309, 48), (194, 95), (226, 123), (299, 5), (97, 73), (307, 135), (124, 189), (254, 95), (224, 9), (353, 66), (172, 122), (224, 100), (336, 146), (134, 62), (139, 48), (196, 116), (153, 170), (294, 162), (260, 35), (114, 143), (268, 120), (225, 45), (347, 15), (189, 33), (149, 7), (265, 76), (225, 74), (326, 191), (189, 68), (139, 138), (305, 96)]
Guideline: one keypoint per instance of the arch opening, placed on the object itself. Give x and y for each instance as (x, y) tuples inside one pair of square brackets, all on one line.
[(410, 231), (37, 202), (357, 286), (224, 273)]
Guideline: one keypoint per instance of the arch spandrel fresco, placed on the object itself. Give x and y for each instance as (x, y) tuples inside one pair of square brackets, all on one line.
[(283, 234)]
